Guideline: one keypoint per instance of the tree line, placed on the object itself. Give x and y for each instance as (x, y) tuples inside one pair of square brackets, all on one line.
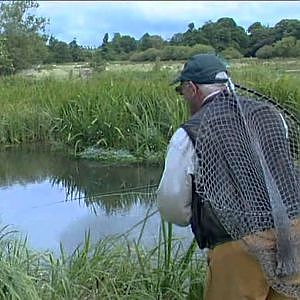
[(23, 42)]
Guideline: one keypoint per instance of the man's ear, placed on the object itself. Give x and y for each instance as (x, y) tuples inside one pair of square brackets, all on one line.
[(194, 87)]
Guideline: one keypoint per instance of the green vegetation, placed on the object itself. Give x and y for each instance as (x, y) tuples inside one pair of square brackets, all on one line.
[(125, 111), (135, 111), (114, 268), (129, 107), (275, 78)]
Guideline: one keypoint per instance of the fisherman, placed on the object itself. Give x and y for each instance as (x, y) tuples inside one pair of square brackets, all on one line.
[(230, 174)]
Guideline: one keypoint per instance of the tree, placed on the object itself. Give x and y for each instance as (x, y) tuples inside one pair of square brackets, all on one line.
[(259, 36), (120, 47), (105, 40), (21, 31), (223, 34), (148, 41), (75, 51), (127, 44), (123, 44), (286, 28), (96, 61), (59, 51), (191, 27), (189, 38), (105, 46), (6, 65), (177, 39)]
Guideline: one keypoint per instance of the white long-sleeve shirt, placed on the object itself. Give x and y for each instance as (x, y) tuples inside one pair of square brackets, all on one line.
[(174, 194)]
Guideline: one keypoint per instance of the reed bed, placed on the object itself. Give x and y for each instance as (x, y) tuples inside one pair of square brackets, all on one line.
[(133, 110), (136, 111), (114, 268)]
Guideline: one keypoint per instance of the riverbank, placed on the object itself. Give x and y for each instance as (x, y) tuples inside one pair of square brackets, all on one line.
[(131, 111), (125, 115)]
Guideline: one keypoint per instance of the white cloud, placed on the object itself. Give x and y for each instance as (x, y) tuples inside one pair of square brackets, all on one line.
[(247, 11), (88, 21)]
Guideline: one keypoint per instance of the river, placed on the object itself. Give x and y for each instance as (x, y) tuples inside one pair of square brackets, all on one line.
[(52, 199)]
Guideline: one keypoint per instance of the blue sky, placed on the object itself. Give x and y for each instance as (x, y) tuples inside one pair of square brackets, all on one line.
[(88, 21)]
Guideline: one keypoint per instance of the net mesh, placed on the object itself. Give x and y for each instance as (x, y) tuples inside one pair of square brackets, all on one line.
[(248, 168)]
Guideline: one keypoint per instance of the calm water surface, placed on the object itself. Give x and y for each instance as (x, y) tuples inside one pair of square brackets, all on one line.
[(52, 198)]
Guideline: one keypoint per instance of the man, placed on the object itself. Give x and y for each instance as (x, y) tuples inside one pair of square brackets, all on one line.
[(227, 173)]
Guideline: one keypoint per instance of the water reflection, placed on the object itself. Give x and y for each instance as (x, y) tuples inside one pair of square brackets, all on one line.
[(82, 180), (51, 198)]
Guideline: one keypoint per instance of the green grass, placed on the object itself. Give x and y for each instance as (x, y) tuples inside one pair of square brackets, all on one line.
[(114, 268), (130, 108), (136, 111)]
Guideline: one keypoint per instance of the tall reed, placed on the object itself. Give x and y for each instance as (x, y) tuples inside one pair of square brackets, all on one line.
[(133, 110), (114, 268)]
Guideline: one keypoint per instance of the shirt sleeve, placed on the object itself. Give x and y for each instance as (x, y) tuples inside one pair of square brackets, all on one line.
[(174, 194)]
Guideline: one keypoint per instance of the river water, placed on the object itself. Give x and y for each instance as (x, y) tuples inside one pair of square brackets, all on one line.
[(53, 199)]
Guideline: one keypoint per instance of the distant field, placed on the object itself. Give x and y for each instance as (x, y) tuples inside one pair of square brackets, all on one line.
[(281, 66), (61, 71), (65, 71)]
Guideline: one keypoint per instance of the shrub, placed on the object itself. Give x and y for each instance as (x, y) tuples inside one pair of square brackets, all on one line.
[(295, 51), (200, 48), (285, 47), (231, 53), (97, 62), (175, 53), (266, 51), (150, 54)]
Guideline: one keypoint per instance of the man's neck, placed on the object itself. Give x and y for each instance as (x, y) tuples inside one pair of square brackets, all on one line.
[(210, 95)]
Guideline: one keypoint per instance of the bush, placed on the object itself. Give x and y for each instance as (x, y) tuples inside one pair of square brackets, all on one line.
[(231, 53), (200, 48), (266, 51), (150, 54), (97, 62), (175, 53), (285, 47), (295, 51)]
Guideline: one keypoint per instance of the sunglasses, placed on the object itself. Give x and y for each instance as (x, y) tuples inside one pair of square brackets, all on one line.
[(179, 88), (183, 84)]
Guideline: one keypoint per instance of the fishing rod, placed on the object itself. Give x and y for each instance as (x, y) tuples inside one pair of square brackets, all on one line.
[(132, 190), (118, 192)]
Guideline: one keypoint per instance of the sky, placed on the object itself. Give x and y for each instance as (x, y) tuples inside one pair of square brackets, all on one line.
[(88, 21)]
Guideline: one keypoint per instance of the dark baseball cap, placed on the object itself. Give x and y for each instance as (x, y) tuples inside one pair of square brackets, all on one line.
[(202, 69)]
